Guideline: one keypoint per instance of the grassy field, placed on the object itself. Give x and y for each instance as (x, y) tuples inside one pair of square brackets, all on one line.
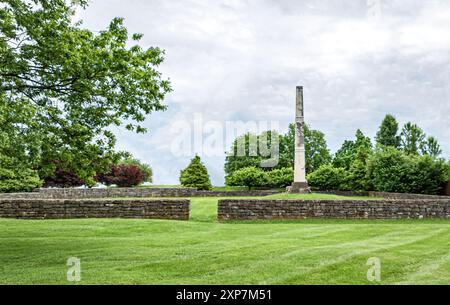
[(203, 251)]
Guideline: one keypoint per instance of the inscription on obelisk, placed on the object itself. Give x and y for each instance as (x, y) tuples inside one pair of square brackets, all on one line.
[(300, 184)]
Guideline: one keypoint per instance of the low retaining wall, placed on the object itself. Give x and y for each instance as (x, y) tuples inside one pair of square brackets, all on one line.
[(342, 193), (32, 195), (75, 193), (338, 209), (405, 196), (382, 194), (63, 209)]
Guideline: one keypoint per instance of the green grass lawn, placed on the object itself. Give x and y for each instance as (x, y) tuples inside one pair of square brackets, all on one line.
[(204, 251)]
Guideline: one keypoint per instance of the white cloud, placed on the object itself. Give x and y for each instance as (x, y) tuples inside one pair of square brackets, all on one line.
[(241, 60)]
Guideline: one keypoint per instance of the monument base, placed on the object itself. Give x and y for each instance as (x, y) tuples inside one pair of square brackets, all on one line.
[(299, 188)]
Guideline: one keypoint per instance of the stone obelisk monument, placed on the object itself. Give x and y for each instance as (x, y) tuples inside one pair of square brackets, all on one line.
[(300, 185)]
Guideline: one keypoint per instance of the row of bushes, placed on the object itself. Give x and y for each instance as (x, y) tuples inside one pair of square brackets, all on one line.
[(127, 172), (400, 161), (196, 175), (258, 178), (385, 170)]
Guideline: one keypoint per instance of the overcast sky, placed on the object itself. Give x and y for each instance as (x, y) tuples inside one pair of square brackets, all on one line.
[(241, 60)]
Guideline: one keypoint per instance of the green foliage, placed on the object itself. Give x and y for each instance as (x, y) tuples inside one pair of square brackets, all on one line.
[(18, 180), (429, 175), (357, 179), (280, 178), (328, 177), (345, 156), (250, 154), (251, 150), (431, 147), (389, 170), (448, 171), (249, 177), (257, 177), (414, 142), (67, 85), (19, 140), (19, 146), (395, 171), (387, 135), (412, 138), (355, 166), (196, 175), (316, 150)]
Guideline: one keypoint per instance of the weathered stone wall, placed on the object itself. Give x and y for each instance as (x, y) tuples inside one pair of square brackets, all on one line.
[(342, 193), (344, 209), (381, 194), (32, 195), (56, 208), (76, 193), (405, 196)]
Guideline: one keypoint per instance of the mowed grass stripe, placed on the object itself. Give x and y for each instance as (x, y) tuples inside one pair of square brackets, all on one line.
[(370, 248), (305, 260)]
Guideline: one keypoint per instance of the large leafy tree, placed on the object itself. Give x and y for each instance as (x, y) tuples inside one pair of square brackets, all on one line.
[(74, 83), (431, 147), (393, 170), (387, 135), (412, 138), (250, 150), (316, 149), (345, 156), (317, 152), (358, 179), (19, 146)]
